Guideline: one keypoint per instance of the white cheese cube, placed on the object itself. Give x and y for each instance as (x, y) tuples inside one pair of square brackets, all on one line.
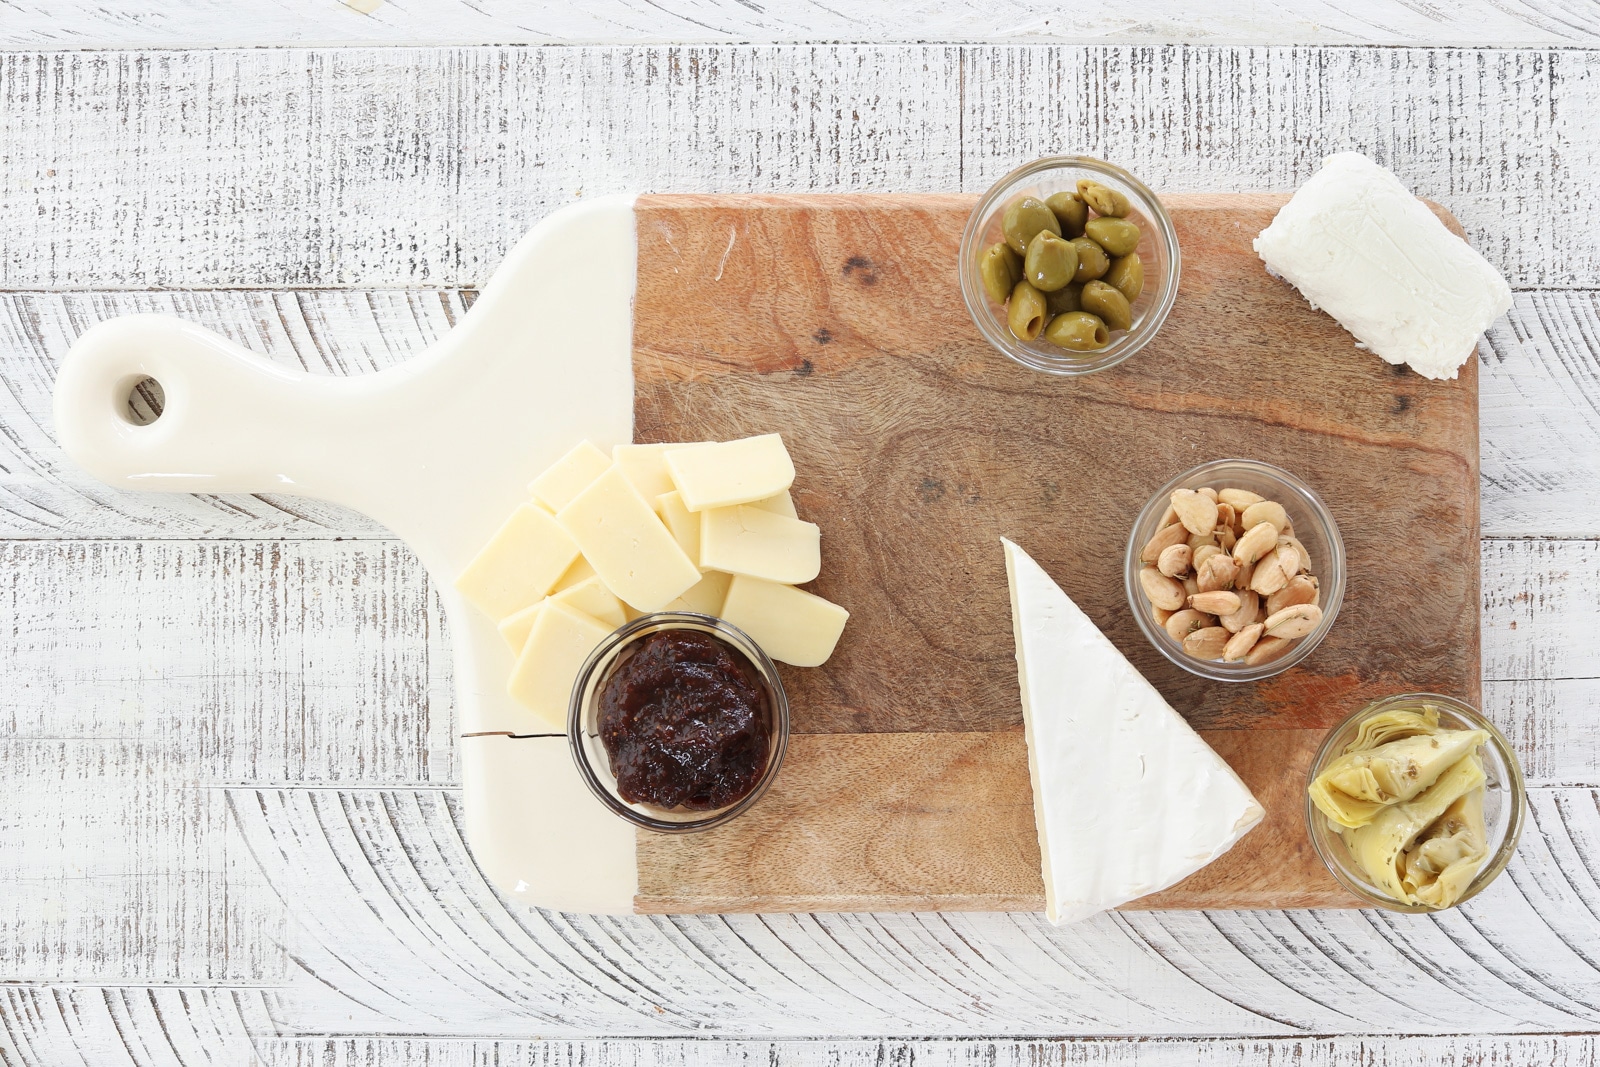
[(626, 543), (1358, 245), (514, 627), (684, 524), (519, 564), (569, 476), (734, 472), (782, 504), (646, 466), (559, 641), (791, 625), (762, 544), (705, 596), (592, 598)]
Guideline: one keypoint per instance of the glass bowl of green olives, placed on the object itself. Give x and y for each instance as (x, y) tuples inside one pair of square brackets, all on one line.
[(1069, 265)]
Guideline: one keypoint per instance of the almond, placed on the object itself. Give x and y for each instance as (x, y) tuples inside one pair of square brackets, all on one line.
[(1164, 539), (1302, 589), (1208, 492), (1161, 615), (1203, 553), (1242, 642), (1197, 513), (1163, 592), (1266, 511), (1181, 624), (1268, 577), (1257, 541), (1216, 572), (1207, 643), (1305, 557), (1249, 611), (1266, 650), (1239, 499), (1174, 561), (1215, 602), (1292, 622)]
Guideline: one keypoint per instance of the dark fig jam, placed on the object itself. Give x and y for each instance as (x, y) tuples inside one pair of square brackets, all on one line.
[(686, 722)]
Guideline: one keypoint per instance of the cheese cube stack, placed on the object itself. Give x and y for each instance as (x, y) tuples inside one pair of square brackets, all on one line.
[(704, 527)]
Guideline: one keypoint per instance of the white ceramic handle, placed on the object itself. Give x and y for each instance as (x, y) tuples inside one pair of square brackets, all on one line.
[(232, 421)]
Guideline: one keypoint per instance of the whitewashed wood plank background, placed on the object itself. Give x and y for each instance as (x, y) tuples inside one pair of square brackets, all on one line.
[(229, 828)]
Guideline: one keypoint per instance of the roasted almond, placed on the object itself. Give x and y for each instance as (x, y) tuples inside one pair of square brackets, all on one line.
[(1201, 554), (1257, 541), (1305, 557), (1161, 615), (1181, 624), (1217, 572), (1239, 499), (1208, 492), (1197, 512), (1207, 643), (1267, 649), (1226, 516), (1163, 592), (1165, 538), (1296, 621), (1269, 576), (1174, 561), (1249, 611), (1266, 511), (1302, 589), (1215, 602), (1241, 642)]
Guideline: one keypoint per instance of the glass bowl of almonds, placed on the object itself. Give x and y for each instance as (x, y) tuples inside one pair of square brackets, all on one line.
[(1235, 570)]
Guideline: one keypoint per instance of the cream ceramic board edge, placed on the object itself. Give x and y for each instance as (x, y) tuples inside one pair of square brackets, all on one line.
[(439, 449)]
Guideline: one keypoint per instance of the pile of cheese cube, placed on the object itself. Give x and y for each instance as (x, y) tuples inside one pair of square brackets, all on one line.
[(704, 527)]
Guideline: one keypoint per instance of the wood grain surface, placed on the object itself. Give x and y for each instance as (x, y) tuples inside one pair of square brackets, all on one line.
[(220, 839), (838, 322)]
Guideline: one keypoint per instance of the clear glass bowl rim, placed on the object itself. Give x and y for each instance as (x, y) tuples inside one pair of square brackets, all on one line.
[(1331, 574), (976, 300), (605, 654), (1515, 788)]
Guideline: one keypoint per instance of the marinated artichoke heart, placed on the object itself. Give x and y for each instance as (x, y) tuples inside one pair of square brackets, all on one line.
[(1408, 799)]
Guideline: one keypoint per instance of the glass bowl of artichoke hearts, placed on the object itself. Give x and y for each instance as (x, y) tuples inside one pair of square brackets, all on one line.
[(1069, 265), (1415, 803)]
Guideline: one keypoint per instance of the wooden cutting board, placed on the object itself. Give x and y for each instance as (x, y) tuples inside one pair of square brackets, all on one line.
[(838, 321)]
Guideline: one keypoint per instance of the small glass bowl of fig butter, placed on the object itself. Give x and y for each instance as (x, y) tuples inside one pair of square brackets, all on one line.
[(678, 722)]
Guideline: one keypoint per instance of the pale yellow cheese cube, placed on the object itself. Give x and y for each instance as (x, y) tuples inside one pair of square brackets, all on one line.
[(569, 476), (763, 544), (592, 598), (626, 543), (734, 472), (514, 627), (578, 572), (519, 564), (791, 625), (684, 524), (646, 466), (782, 504), (705, 596), (558, 643)]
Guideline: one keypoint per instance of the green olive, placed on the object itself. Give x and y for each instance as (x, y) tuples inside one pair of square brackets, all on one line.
[(1092, 260), (1078, 331), (1104, 200), (1023, 219), (1070, 211), (1026, 313), (1000, 269), (1127, 274), (1051, 262), (1118, 237), (1101, 299), (1067, 298)]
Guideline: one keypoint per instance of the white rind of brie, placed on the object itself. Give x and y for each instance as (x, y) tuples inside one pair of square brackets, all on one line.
[(1127, 798), (1358, 245)]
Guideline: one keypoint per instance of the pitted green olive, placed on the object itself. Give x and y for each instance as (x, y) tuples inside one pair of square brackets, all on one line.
[(1092, 260), (1024, 218), (1070, 211), (1127, 275), (1000, 269), (1026, 313), (1112, 307), (1067, 298), (1118, 237), (1078, 331), (1103, 199), (1051, 262)]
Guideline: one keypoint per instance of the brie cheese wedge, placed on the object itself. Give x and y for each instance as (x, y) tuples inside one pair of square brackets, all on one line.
[(1358, 245), (1127, 799)]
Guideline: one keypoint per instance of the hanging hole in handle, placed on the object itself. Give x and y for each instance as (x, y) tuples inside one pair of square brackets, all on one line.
[(144, 402)]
